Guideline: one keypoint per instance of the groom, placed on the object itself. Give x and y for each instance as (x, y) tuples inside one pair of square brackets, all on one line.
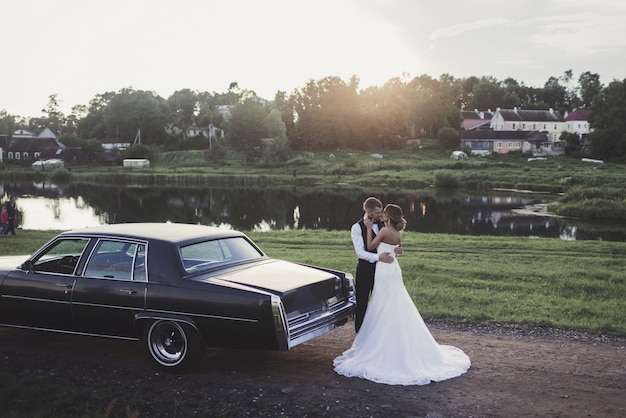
[(366, 266)]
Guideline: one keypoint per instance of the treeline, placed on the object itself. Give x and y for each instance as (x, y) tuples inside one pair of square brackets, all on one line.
[(330, 114)]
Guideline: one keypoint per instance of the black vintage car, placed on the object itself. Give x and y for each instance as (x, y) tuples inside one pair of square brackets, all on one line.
[(178, 288)]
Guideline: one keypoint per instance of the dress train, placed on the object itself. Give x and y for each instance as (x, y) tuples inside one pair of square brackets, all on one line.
[(394, 345)]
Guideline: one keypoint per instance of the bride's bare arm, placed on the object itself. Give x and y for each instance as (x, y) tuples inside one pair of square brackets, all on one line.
[(373, 243)]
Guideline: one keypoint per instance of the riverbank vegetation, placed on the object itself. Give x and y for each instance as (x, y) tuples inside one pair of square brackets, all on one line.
[(580, 189), (492, 281)]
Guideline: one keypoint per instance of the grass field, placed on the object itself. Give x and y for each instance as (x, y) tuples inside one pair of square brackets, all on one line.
[(483, 280)]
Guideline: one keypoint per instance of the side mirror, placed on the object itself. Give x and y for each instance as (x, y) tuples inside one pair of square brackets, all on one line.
[(28, 266)]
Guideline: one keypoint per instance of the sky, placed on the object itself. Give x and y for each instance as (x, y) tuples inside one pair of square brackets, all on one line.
[(78, 49)]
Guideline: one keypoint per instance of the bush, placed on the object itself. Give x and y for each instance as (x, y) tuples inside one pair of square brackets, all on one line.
[(448, 137), (445, 179), (61, 175)]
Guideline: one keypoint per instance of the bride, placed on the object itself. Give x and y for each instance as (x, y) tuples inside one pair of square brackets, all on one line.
[(394, 346)]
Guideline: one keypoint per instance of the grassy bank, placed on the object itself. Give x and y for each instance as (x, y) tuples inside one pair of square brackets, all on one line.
[(411, 169), (483, 280), (591, 190)]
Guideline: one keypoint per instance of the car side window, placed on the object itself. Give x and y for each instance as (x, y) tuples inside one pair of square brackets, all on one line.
[(61, 257), (112, 260), (207, 254)]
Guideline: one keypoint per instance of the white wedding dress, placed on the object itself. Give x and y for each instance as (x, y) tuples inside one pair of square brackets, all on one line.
[(394, 345)]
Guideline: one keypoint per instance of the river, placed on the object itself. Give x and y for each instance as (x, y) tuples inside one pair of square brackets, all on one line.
[(48, 206)]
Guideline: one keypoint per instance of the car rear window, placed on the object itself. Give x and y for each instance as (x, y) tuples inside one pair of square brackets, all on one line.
[(208, 254)]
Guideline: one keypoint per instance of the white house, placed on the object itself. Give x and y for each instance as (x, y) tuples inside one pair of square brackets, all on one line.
[(224, 110), (194, 131), (114, 143), (23, 133), (550, 122), (576, 122), (47, 133)]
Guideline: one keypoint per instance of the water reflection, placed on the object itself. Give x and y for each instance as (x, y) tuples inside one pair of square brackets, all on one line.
[(47, 206)]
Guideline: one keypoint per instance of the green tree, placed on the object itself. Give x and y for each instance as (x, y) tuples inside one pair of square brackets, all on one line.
[(608, 121), (182, 104), (89, 147), (466, 93), (387, 114), (513, 92), (589, 87), (573, 144), (54, 115), (131, 111), (553, 93), (7, 123), (92, 125), (285, 105), (208, 113), (433, 103), (208, 104), (278, 149), (326, 113), (121, 115), (246, 128), (78, 113), (487, 94), (448, 138), (556, 95)]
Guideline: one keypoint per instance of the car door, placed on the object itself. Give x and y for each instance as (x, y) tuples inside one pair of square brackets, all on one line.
[(112, 289), (39, 293)]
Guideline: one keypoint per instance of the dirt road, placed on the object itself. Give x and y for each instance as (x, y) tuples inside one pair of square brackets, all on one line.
[(514, 373)]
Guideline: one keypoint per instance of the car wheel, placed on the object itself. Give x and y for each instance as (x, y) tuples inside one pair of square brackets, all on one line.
[(171, 345)]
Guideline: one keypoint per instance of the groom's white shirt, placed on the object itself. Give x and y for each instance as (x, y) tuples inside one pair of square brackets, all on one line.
[(359, 246)]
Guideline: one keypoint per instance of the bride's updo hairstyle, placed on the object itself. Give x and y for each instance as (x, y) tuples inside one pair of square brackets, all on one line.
[(396, 217)]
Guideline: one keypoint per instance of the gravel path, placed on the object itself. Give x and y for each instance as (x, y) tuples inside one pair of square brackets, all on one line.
[(515, 372)]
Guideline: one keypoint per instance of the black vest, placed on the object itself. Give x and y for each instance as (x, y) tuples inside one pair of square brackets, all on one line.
[(364, 233)]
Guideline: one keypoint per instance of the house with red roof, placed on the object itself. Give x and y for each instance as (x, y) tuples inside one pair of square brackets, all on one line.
[(29, 149), (577, 121), (473, 119)]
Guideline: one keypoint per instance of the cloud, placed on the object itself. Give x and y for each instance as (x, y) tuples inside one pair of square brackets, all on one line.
[(580, 34), (460, 29), (275, 45)]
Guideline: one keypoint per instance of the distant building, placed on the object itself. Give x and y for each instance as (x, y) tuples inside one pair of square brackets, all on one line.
[(577, 121), (485, 142), (136, 163), (114, 143), (25, 148), (474, 120), (550, 122)]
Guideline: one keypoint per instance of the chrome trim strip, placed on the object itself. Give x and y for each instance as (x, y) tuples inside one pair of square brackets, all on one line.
[(320, 324), (130, 308), (200, 315), (282, 329), (64, 302), (85, 334)]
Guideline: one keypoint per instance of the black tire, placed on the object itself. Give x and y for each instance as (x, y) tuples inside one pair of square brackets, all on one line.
[(172, 346)]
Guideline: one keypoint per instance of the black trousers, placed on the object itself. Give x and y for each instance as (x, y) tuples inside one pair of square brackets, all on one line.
[(11, 228), (364, 285)]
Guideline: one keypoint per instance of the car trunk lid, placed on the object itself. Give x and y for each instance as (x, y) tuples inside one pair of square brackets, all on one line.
[(301, 288)]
